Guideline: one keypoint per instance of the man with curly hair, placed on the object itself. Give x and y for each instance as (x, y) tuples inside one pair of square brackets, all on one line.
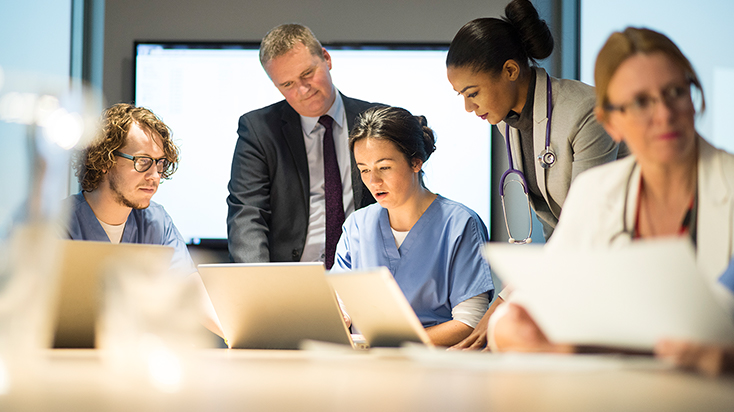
[(119, 173)]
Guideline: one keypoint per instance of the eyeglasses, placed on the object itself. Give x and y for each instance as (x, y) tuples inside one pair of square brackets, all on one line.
[(143, 163), (676, 97)]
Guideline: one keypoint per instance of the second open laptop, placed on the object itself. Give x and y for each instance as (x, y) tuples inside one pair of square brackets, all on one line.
[(274, 305), (82, 267), (379, 308)]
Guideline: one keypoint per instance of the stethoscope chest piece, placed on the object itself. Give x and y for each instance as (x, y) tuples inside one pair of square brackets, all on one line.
[(547, 158)]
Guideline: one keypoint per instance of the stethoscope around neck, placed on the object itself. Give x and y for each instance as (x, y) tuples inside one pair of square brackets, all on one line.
[(546, 159)]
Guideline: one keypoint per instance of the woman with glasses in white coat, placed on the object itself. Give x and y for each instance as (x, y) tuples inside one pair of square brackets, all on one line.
[(674, 184)]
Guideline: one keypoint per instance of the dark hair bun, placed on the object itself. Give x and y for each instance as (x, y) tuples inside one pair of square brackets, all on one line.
[(485, 44), (429, 138), (534, 33)]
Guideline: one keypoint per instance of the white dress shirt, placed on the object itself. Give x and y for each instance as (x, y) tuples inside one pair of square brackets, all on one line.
[(313, 136)]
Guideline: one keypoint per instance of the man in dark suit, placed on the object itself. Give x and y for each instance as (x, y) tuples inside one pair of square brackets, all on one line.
[(277, 197)]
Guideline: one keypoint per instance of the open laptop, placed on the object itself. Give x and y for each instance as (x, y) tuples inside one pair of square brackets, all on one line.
[(274, 305), (379, 308), (82, 265), (624, 297)]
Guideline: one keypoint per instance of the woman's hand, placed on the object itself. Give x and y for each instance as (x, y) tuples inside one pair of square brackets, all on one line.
[(345, 315), (477, 340), (711, 360), (516, 331), (448, 333)]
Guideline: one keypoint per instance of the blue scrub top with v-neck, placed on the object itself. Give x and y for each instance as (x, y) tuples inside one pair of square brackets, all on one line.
[(438, 265), (152, 226)]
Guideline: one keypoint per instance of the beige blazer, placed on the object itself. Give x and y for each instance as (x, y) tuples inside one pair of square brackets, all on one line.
[(577, 139), (594, 214)]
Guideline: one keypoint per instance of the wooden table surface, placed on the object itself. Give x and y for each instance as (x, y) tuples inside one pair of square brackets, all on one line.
[(408, 379)]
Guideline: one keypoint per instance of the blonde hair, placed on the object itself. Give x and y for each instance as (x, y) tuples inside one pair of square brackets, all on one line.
[(622, 45), (282, 39)]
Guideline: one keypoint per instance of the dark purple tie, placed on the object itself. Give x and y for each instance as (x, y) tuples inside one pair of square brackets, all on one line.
[(333, 193)]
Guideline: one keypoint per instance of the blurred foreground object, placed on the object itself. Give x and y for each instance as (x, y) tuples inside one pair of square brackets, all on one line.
[(41, 118)]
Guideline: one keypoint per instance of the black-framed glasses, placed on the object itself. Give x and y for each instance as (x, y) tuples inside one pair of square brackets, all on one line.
[(143, 163)]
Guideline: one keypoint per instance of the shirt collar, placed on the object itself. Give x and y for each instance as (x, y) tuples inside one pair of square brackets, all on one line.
[(525, 118), (336, 111)]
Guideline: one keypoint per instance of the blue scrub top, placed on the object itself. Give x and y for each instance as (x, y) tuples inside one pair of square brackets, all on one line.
[(727, 279), (152, 226), (439, 264)]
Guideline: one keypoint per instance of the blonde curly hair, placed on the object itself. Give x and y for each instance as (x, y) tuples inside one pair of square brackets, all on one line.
[(93, 162)]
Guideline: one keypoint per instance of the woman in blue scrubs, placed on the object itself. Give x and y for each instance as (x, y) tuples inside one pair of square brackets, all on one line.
[(432, 245)]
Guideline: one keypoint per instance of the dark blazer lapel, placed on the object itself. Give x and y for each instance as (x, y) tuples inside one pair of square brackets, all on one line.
[(351, 109), (293, 135)]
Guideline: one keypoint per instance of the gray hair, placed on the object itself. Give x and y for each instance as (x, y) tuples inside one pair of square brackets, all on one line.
[(282, 39)]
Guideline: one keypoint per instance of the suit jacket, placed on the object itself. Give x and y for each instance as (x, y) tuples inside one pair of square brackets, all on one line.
[(269, 185), (594, 214), (577, 139)]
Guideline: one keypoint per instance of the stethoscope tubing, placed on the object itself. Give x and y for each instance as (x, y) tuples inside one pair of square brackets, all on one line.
[(547, 150), (546, 160)]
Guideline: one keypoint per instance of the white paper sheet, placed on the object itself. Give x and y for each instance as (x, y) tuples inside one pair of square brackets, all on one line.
[(625, 297)]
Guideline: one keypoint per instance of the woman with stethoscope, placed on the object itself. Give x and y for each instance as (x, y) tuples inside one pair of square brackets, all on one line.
[(675, 184), (548, 124)]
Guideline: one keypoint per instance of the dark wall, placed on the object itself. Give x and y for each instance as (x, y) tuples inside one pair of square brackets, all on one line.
[(343, 20)]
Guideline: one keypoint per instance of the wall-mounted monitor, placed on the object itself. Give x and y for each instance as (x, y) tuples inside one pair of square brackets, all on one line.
[(201, 89)]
